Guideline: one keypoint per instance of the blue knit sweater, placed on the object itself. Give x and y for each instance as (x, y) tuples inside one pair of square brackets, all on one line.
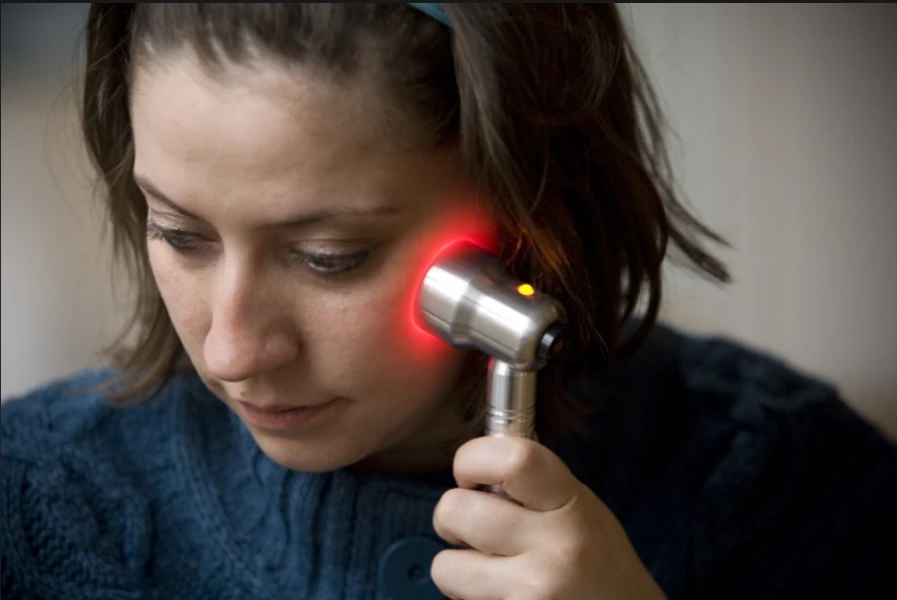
[(734, 476)]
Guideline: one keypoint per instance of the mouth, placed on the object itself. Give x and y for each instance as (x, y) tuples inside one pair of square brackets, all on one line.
[(274, 408), (280, 417)]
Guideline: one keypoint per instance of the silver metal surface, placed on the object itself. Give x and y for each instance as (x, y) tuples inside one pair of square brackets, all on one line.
[(511, 396), (470, 301)]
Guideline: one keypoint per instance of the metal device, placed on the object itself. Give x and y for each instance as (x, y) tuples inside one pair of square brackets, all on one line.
[(469, 300)]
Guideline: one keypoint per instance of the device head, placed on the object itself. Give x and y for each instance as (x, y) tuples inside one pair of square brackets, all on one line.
[(470, 301)]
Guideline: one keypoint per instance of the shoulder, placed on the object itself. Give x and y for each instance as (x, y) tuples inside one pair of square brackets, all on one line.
[(47, 418), (76, 519), (771, 466), (766, 406), (716, 380), (75, 414)]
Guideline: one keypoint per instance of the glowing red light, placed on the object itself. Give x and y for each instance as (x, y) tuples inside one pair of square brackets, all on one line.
[(463, 225)]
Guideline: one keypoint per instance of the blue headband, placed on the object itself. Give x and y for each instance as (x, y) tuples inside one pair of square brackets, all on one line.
[(435, 11)]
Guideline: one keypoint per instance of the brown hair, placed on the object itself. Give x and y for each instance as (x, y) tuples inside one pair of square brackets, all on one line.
[(548, 104)]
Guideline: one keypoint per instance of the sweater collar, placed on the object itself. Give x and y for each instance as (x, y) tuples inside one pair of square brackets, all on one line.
[(286, 526)]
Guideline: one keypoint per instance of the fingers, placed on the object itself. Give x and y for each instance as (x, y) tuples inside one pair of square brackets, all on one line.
[(529, 472), (470, 575), (482, 521)]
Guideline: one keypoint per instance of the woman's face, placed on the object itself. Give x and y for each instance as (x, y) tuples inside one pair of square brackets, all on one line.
[(287, 236)]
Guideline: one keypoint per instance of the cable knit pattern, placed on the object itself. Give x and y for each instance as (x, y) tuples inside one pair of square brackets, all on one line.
[(735, 477)]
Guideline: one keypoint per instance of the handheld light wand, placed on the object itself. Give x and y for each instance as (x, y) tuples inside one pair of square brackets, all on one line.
[(470, 301)]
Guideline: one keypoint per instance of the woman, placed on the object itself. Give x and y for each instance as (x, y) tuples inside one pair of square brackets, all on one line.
[(277, 178)]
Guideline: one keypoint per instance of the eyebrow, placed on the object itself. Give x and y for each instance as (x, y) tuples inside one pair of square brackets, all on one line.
[(303, 220)]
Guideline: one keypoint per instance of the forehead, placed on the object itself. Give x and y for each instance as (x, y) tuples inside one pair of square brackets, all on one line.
[(263, 132), (257, 113)]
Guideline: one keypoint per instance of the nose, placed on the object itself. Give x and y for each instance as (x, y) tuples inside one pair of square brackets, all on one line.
[(248, 336)]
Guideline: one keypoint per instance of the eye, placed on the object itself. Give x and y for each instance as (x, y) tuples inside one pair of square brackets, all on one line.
[(333, 264), (180, 240)]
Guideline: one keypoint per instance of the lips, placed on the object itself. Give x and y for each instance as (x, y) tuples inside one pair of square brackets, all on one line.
[(279, 417), (273, 408)]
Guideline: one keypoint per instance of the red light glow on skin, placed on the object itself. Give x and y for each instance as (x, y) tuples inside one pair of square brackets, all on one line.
[(464, 225)]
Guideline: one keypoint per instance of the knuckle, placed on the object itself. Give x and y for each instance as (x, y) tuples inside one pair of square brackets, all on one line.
[(520, 458), (450, 505), (542, 586), (571, 555), (441, 568), (550, 579), (468, 452)]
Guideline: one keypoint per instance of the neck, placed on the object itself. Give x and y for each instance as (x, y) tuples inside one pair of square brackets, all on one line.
[(432, 445), (416, 459), (430, 450)]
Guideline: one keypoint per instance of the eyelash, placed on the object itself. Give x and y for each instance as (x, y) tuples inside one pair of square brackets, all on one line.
[(180, 240), (187, 242), (333, 264)]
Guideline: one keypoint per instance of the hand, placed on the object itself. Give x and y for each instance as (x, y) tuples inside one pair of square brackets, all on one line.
[(560, 542)]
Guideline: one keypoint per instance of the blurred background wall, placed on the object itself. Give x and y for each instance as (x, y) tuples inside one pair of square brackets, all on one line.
[(786, 145)]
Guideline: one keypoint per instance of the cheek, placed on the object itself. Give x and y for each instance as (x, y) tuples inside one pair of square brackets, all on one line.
[(377, 333), (369, 348), (183, 296), (454, 224)]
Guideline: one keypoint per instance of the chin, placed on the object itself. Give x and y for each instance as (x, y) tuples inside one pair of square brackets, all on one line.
[(311, 456)]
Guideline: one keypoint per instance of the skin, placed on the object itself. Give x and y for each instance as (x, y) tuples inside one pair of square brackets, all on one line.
[(233, 160)]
